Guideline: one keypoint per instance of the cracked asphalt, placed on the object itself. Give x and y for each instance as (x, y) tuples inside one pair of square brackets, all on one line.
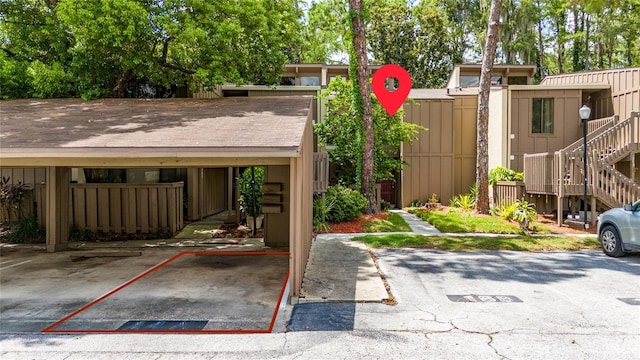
[(570, 309)]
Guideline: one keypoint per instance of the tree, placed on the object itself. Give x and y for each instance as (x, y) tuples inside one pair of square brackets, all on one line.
[(482, 157), (325, 33), (343, 130), (362, 102), (414, 38), (102, 47)]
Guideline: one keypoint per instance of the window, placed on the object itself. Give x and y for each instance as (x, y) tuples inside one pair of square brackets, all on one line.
[(469, 80), (288, 80), (310, 80), (517, 80), (542, 119)]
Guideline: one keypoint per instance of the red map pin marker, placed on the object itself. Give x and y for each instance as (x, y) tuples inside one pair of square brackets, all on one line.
[(391, 100)]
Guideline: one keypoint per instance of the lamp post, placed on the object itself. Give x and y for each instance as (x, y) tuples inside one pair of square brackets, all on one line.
[(585, 112)]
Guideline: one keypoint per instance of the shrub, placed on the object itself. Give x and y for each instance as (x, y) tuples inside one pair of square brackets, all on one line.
[(521, 211), (251, 199), (385, 205), (321, 209), (465, 202), (503, 174), (26, 230), (347, 204)]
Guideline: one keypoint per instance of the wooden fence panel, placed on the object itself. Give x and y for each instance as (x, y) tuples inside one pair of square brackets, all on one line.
[(507, 192), (115, 211), (119, 208), (91, 210)]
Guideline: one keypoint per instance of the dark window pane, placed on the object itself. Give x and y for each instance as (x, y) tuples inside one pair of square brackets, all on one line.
[(517, 80), (288, 80), (469, 80), (536, 126), (542, 116)]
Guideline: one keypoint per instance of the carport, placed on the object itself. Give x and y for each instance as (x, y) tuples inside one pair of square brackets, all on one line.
[(274, 132)]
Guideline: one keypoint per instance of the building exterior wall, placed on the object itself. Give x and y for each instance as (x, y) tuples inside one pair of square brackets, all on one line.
[(465, 149), (498, 128), (301, 215), (206, 192), (566, 123), (625, 86), (431, 156)]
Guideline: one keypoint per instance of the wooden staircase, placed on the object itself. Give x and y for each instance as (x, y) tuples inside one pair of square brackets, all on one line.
[(562, 173)]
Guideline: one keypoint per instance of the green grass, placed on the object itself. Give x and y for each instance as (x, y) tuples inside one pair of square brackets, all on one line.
[(456, 221), (394, 223), (479, 243)]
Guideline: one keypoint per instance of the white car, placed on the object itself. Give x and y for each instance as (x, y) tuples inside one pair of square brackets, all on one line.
[(619, 230)]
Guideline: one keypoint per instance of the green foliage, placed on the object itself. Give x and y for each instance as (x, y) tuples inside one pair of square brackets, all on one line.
[(521, 211), (14, 78), (322, 207), (251, 191), (385, 205), (464, 201), (482, 243), (49, 81), (393, 223), (97, 47), (26, 230), (503, 174), (416, 38), (12, 196), (347, 204), (506, 211), (344, 130), (456, 221), (325, 33)]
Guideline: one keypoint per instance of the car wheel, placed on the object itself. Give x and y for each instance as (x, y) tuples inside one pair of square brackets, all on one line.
[(610, 241)]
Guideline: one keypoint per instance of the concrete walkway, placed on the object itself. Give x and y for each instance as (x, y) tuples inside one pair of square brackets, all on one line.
[(417, 225), (342, 270)]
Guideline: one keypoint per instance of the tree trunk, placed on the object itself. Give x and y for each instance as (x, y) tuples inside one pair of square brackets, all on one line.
[(482, 160), (560, 30), (587, 53), (541, 70), (360, 47)]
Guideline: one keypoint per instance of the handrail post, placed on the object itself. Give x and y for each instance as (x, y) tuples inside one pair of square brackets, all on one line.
[(560, 183)]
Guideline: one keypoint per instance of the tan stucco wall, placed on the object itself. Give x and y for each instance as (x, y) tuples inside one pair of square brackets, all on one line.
[(498, 128)]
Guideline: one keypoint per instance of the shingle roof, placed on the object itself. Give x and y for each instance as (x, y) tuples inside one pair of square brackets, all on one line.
[(249, 123)]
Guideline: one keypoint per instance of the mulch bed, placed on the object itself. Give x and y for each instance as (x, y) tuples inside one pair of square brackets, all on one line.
[(355, 226)]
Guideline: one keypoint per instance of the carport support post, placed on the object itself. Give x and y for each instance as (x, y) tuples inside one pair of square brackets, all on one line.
[(58, 208)]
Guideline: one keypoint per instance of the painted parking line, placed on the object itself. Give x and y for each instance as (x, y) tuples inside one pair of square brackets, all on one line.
[(171, 325), (14, 265)]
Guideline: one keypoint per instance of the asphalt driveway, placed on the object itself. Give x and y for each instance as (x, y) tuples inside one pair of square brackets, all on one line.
[(485, 305)]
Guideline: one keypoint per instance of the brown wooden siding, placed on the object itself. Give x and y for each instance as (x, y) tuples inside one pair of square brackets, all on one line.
[(566, 127), (431, 156), (301, 211), (206, 192), (267, 92), (625, 87), (464, 117)]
